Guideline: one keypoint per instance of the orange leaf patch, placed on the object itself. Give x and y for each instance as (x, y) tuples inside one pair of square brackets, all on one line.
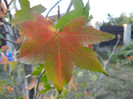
[(10, 89)]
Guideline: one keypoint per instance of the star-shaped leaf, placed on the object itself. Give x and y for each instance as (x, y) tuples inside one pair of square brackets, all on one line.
[(60, 50)]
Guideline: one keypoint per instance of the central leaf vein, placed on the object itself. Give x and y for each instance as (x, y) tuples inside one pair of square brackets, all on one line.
[(59, 52)]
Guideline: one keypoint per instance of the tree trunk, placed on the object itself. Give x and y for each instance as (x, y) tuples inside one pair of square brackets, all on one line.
[(27, 71), (13, 35)]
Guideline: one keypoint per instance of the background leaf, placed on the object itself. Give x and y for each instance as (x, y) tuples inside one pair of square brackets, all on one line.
[(37, 70), (27, 13), (77, 12), (86, 10), (24, 4), (78, 4), (13, 65)]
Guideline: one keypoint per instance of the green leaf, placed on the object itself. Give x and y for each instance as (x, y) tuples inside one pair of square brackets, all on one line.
[(68, 17), (78, 4), (37, 70), (44, 79), (13, 65), (86, 10), (77, 12), (24, 4), (64, 92), (39, 8), (27, 13), (45, 90)]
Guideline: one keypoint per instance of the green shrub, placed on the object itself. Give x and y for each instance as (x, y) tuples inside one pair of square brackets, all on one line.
[(122, 54)]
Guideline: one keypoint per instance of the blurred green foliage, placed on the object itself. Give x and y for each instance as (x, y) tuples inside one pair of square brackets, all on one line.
[(123, 53)]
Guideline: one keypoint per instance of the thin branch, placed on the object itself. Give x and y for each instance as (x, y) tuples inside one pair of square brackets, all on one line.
[(58, 12), (69, 7), (14, 33), (7, 6), (10, 3), (113, 51), (105, 65), (9, 41), (102, 61), (53, 7), (37, 83)]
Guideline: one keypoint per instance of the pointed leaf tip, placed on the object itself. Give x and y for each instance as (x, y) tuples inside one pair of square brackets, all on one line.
[(106, 74)]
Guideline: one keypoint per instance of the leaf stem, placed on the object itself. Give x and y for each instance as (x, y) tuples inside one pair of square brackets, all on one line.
[(59, 52)]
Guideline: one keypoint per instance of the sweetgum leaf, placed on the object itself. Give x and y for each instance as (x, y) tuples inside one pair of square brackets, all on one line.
[(27, 13), (60, 50)]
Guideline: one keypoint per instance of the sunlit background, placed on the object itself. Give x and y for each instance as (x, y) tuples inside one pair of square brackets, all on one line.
[(98, 8)]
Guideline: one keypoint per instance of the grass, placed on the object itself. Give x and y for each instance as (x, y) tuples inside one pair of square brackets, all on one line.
[(119, 85)]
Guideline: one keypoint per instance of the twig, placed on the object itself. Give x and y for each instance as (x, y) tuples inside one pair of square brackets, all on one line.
[(102, 61), (37, 83), (9, 41), (7, 6), (113, 51), (69, 7), (10, 3), (58, 12), (14, 33), (53, 7), (105, 65)]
